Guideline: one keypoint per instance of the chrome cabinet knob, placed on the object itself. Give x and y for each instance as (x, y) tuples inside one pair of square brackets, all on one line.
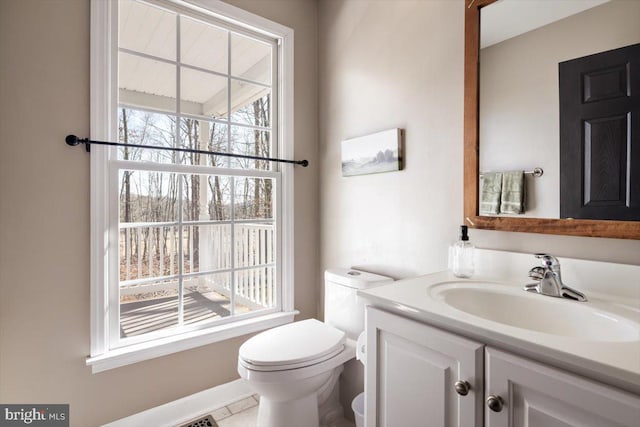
[(462, 387), (495, 403)]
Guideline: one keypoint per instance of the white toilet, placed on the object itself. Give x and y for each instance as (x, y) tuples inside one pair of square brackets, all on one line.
[(295, 368)]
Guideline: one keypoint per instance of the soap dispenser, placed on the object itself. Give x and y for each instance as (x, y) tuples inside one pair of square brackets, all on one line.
[(461, 255)]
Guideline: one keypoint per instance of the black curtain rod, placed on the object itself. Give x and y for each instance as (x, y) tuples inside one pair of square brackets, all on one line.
[(73, 140)]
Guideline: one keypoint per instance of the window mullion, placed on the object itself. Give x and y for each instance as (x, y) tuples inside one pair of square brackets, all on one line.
[(229, 97), (189, 169), (180, 252), (145, 55), (233, 247), (275, 107), (180, 187), (277, 151), (233, 183)]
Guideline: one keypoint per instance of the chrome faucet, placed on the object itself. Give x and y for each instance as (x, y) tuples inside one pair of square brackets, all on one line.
[(550, 280)]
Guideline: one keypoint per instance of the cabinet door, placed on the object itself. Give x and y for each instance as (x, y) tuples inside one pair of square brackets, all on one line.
[(536, 395), (410, 373)]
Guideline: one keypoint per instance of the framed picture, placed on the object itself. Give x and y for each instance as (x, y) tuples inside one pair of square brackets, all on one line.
[(375, 153)]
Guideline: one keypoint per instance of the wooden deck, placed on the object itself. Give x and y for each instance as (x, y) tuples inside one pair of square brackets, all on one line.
[(141, 317)]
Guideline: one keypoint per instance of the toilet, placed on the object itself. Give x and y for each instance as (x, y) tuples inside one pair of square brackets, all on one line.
[(295, 368)]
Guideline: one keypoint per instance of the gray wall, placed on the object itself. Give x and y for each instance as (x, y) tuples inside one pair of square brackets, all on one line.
[(390, 64), (44, 218)]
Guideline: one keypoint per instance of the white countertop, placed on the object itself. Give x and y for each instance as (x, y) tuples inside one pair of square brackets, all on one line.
[(613, 362)]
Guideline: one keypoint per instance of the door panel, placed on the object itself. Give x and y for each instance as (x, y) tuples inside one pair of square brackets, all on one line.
[(605, 162), (539, 396), (410, 372), (405, 370)]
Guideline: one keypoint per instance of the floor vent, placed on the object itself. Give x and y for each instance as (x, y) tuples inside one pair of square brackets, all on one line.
[(206, 421)]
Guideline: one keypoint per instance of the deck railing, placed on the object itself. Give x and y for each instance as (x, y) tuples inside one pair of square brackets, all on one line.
[(150, 260)]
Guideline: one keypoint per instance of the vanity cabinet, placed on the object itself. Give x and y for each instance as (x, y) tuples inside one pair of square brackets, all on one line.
[(413, 370), (415, 375)]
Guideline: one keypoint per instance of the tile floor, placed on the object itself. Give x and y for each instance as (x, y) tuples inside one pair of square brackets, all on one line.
[(244, 413)]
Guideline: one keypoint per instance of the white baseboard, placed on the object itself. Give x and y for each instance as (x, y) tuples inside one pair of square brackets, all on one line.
[(190, 407)]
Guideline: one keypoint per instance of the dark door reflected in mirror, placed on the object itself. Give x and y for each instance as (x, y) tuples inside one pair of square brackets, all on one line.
[(599, 135)]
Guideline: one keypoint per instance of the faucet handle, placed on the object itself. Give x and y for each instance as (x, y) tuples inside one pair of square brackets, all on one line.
[(537, 273), (548, 260)]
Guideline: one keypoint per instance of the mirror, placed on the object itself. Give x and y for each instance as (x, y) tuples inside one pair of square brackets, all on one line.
[(512, 102)]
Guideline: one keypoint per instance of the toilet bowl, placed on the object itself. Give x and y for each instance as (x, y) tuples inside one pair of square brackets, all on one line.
[(295, 368)]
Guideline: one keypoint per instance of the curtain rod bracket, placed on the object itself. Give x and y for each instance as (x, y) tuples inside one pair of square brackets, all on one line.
[(73, 140)]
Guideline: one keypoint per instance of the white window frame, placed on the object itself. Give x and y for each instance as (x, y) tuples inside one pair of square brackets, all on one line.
[(104, 104)]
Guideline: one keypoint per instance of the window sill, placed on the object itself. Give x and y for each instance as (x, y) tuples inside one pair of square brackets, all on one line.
[(164, 346)]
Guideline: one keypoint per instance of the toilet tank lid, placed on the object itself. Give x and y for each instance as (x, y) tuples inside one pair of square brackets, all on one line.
[(355, 278)]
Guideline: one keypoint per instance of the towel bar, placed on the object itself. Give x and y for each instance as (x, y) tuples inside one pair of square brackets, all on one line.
[(537, 173)]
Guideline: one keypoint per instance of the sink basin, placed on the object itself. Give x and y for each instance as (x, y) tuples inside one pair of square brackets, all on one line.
[(512, 306)]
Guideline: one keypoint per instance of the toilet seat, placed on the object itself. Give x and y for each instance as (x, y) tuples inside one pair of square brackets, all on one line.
[(284, 367), (289, 375), (292, 346)]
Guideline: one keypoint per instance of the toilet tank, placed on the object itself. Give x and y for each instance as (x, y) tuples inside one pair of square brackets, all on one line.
[(342, 306)]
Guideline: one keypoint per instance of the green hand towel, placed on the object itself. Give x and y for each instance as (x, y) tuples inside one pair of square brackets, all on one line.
[(490, 194), (512, 200)]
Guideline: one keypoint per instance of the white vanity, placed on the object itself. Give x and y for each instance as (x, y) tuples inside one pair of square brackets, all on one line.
[(443, 351)]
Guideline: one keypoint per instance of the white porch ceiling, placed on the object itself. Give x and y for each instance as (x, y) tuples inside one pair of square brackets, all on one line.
[(151, 83)]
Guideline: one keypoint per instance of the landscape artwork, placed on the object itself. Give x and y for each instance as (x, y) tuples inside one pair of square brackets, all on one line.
[(375, 153)]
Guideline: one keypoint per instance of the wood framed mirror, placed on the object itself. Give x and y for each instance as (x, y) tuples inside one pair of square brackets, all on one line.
[(472, 172)]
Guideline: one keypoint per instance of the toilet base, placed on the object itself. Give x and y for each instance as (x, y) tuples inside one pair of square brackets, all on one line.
[(294, 413), (320, 408), (329, 407)]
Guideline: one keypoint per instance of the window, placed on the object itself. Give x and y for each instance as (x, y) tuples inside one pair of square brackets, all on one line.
[(197, 247)]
